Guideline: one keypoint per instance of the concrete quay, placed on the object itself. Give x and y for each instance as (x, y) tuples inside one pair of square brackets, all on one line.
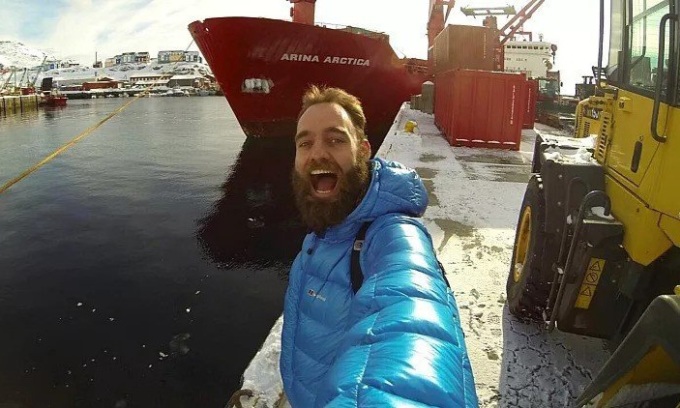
[(10, 104)]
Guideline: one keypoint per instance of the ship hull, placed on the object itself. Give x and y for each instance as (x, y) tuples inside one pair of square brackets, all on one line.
[(264, 66)]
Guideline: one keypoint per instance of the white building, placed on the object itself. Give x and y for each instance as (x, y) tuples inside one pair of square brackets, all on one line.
[(192, 56), (150, 79), (168, 56), (534, 58), (128, 57)]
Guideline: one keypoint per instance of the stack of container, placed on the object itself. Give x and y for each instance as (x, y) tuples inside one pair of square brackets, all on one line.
[(532, 98), (481, 108), (474, 105), (468, 47)]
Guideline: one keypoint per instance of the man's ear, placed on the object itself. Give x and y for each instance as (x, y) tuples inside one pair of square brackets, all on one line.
[(365, 149)]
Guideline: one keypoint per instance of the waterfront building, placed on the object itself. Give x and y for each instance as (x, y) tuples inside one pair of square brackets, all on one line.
[(69, 83), (147, 79), (142, 57), (193, 56), (194, 81), (128, 57), (102, 83), (169, 56), (50, 64)]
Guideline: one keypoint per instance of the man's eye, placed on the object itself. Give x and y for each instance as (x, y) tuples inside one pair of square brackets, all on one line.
[(303, 144), (336, 140)]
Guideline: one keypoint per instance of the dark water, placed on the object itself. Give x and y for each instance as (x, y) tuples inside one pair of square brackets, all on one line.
[(145, 266)]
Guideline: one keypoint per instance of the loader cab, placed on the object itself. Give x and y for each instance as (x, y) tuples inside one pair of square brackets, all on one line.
[(634, 47), (642, 86)]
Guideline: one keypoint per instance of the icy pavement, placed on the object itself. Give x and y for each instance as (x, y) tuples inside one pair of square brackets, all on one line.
[(475, 195)]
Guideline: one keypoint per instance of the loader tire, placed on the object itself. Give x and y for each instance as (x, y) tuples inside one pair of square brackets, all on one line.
[(527, 289)]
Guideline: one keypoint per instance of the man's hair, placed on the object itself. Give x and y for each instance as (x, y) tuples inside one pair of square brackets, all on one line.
[(350, 103)]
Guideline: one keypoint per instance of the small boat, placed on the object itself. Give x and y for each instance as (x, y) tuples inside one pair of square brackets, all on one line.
[(177, 91), (50, 97)]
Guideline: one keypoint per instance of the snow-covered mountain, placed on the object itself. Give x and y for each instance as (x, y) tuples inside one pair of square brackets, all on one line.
[(18, 55)]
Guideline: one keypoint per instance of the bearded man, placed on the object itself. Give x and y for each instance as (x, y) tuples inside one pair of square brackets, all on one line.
[(397, 341)]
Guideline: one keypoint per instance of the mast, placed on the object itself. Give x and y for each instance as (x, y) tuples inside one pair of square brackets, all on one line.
[(302, 11), (35, 78)]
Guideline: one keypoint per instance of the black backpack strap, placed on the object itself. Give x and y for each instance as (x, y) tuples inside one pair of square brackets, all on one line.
[(441, 267), (356, 274)]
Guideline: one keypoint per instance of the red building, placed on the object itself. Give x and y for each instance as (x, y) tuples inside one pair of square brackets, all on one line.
[(103, 83)]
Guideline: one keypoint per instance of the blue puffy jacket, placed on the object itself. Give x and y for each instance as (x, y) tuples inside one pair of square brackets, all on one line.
[(398, 341)]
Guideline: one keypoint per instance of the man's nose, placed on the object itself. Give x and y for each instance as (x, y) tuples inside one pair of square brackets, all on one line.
[(318, 151)]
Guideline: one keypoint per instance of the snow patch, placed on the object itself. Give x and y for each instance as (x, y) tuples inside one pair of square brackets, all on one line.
[(18, 55)]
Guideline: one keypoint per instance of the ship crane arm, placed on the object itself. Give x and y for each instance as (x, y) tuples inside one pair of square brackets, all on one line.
[(439, 13), (517, 21)]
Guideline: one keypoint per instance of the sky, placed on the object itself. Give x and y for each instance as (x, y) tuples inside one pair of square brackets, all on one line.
[(78, 28)]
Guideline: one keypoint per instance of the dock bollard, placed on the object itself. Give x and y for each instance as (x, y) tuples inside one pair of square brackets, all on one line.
[(410, 126)]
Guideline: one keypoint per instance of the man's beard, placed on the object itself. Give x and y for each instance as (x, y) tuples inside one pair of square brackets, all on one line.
[(320, 214)]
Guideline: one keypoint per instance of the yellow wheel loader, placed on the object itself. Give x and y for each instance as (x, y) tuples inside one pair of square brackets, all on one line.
[(597, 248)]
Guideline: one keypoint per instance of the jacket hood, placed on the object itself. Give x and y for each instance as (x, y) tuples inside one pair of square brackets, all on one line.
[(394, 188)]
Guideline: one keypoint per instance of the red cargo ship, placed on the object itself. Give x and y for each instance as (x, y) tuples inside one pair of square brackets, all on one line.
[(263, 67)]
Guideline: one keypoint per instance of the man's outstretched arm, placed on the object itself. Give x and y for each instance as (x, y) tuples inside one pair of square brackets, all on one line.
[(404, 345)]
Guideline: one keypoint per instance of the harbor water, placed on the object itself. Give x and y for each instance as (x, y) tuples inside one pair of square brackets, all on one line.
[(144, 266)]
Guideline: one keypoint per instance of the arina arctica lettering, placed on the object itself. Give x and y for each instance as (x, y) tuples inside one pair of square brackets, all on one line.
[(326, 60)]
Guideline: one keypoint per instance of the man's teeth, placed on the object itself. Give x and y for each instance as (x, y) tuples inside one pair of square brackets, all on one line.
[(317, 172)]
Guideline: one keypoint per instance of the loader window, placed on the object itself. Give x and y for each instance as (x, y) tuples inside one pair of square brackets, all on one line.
[(612, 70), (645, 16)]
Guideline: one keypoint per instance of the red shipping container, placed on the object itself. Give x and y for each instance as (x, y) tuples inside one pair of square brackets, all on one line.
[(443, 92), (465, 47), (532, 94), (481, 108), (440, 98)]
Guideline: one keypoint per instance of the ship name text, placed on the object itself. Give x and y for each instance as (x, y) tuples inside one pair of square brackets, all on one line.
[(326, 60)]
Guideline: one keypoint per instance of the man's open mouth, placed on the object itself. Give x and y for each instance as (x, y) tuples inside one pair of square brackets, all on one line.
[(324, 182)]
